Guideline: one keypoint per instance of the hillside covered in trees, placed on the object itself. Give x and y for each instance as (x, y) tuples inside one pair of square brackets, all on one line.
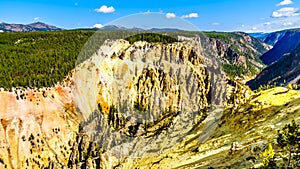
[(38, 58), (41, 59)]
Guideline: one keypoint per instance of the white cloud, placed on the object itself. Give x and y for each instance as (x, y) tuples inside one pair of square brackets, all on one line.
[(170, 15), (147, 12), (105, 9), (274, 25), (285, 12), (287, 24), (252, 29), (36, 18), (285, 2), (98, 25), (216, 23), (191, 15)]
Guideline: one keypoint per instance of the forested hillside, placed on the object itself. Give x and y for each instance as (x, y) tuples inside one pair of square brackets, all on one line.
[(283, 72), (41, 59), (284, 43), (239, 52), (38, 58)]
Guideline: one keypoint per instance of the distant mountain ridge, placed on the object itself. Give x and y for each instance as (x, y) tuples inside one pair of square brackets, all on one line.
[(269, 38), (286, 70), (283, 42), (33, 27), (273, 38), (117, 27), (259, 35)]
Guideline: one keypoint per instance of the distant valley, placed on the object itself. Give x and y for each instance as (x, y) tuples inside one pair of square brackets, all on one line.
[(283, 42), (283, 59)]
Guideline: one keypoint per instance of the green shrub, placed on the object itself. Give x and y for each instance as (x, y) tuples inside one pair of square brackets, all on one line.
[(268, 157), (289, 141)]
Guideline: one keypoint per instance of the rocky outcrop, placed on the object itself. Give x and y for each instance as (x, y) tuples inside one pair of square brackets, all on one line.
[(85, 153), (145, 94), (135, 101), (237, 94), (238, 49), (37, 127)]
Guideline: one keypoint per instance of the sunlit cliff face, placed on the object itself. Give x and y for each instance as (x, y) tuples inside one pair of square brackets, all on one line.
[(140, 103), (37, 126), (139, 92), (146, 94)]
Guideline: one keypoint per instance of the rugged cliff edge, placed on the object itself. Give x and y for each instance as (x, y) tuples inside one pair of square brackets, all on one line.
[(238, 52), (37, 127), (125, 92), (141, 105), (150, 96)]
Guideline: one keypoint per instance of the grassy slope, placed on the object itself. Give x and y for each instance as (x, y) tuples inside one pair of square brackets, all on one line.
[(252, 125)]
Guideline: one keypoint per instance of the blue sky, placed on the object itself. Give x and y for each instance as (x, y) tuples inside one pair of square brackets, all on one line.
[(219, 15)]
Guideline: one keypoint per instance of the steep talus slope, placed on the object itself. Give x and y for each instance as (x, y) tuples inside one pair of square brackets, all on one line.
[(137, 99), (37, 127), (286, 70), (241, 136), (284, 43)]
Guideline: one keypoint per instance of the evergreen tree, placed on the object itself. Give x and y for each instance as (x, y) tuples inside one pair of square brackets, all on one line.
[(289, 140)]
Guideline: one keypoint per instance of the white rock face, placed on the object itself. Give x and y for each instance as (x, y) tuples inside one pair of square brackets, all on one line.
[(37, 126), (139, 99), (135, 100)]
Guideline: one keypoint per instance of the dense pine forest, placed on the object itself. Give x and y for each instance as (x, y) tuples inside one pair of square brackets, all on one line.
[(152, 38), (37, 59)]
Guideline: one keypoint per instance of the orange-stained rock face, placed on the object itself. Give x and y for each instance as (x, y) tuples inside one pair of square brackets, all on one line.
[(36, 126), (142, 89)]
